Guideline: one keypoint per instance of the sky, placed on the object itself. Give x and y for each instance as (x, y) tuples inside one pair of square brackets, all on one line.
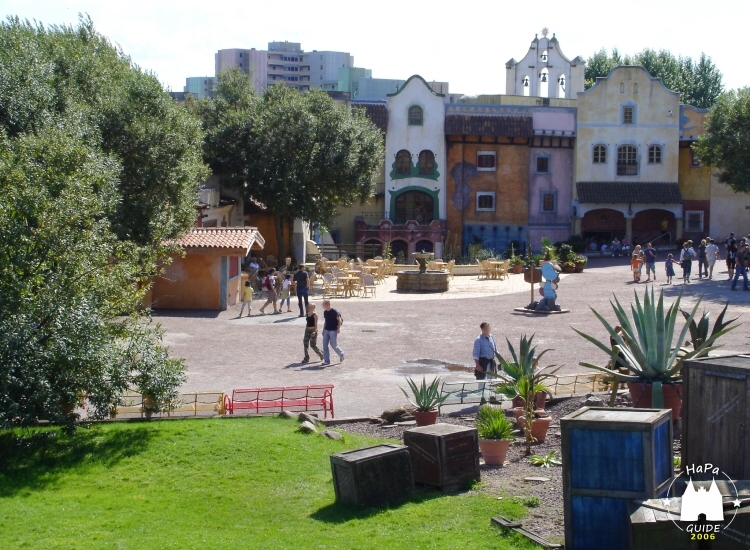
[(466, 45)]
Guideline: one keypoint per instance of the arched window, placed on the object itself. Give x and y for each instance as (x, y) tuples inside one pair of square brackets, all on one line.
[(544, 56), (424, 246), (415, 115), (399, 249), (403, 162), (600, 154), (414, 205), (654, 154), (544, 83), (561, 86), (622, 87), (627, 160), (526, 86), (426, 163)]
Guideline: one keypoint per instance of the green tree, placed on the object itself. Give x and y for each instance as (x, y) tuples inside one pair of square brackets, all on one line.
[(301, 154), (97, 167), (698, 82), (726, 143)]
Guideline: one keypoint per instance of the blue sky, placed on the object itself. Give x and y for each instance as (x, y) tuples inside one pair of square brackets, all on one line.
[(466, 44)]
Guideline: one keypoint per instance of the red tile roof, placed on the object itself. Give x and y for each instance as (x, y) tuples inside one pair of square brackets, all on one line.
[(236, 240)]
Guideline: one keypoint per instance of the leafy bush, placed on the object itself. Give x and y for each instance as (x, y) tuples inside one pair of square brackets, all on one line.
[(492, 424)]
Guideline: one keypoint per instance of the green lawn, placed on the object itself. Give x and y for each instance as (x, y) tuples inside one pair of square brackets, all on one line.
[(220, 483)]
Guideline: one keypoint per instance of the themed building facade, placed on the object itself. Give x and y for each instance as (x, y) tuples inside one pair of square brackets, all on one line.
[(547, 159)]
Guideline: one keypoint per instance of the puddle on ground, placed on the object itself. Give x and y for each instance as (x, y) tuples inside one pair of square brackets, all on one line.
[(431, 366)]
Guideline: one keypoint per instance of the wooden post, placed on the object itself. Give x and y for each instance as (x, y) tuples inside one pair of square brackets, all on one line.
[(532, 284)]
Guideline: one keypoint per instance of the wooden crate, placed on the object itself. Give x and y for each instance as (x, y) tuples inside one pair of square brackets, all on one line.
[(716, 414), (611, 456), (652, 528), (373, 476), (443, 455)]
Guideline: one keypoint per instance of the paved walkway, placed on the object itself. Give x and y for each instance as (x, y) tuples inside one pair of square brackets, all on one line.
[(397, 335)]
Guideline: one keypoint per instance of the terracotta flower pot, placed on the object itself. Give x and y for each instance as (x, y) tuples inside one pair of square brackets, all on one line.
[(579, 268), (517, 268), (538, 428), (540, 401), (425, 418), (494, 451), (518, 412), (641, 396), (568, 269)]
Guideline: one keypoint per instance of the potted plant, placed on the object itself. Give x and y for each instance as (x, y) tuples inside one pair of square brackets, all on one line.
[(647, 349), (425, 400), (516, 261), (580, 262), (569, 267), (534, 422), (495, 434), (525, 362)]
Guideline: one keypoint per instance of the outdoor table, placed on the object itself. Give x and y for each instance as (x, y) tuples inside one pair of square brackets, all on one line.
[(440, 264), (495, 268), (370, 268), (348, 284)]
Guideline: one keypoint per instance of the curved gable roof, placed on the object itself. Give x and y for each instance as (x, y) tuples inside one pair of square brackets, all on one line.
[(405, 84), (638, 67)]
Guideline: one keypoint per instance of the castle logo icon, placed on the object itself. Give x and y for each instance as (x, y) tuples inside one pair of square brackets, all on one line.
[(696, 502)]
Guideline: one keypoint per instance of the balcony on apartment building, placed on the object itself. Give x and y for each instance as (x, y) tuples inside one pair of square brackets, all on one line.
[(627, 168)]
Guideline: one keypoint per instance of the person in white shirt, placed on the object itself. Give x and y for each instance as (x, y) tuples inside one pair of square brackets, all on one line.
[(712, 254)]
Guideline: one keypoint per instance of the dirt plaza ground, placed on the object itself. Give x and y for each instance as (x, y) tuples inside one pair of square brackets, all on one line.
[(395, 335)]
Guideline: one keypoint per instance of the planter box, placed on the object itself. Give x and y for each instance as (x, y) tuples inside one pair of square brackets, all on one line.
[(611, 456), (716, 414), (443, 455), (373, 476)]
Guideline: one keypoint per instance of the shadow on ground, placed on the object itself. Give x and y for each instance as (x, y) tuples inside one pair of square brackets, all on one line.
[(341, 513), (33, 460)]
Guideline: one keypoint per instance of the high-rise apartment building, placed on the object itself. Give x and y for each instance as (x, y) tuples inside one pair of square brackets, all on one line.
[(286, 62), (325, 67), (252, 62), (200, 86)]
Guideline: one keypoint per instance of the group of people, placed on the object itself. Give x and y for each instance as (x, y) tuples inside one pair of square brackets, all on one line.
[(706, 253), (617, 246)]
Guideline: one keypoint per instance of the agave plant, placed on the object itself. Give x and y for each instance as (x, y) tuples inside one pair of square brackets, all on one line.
[(648, 345), (524, 362), (699, 331), (425, 398)]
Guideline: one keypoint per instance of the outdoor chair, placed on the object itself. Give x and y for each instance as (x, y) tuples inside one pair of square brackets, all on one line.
[(368, 285), (316, 282), (482, 270), (335, 272), (380, 274), (371, 262), (502, 271), (378, 258)]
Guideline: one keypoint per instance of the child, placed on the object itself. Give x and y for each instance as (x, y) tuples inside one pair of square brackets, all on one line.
[(311, 333), (635, 265), (669, 266), (285, 288), (247, 298)]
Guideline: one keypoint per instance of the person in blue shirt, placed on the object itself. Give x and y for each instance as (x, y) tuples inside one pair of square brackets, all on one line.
[(484, 353)]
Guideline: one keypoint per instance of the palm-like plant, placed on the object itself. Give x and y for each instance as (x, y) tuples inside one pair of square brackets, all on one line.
[(492, 424), (648, 347), (425, 398), (699, 331), (524, 362)]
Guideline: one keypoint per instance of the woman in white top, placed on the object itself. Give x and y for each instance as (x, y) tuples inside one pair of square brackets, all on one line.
[(712, 254)]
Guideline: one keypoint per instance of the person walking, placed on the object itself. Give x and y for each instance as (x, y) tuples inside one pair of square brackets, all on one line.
[(649, 256), (269, 284), (331, 329), (286, 286), (484, 353), (247, 298), (702, 260), (303, 284), (686, 260), (712, 254), (310, 339), (669, 267), (635, 266), (731, 256), (741, 264)]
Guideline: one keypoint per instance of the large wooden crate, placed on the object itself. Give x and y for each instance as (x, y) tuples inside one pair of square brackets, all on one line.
[(652, 526), (611, 456), (373, 476), (716, 414), (443, 455)]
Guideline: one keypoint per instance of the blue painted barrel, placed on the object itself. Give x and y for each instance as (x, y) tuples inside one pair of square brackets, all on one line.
[(611, 456)]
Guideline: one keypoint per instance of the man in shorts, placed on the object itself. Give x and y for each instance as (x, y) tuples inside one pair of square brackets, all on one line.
[(649, 257)]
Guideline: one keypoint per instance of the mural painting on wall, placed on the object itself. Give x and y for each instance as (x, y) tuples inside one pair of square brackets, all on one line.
[(462, 172)]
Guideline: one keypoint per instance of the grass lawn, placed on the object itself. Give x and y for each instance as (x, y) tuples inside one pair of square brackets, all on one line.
[(219, 483)]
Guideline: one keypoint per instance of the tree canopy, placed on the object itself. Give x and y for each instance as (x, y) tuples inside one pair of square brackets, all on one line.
[(97, 167), (698, 82), (726, 143), (301, 155)]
